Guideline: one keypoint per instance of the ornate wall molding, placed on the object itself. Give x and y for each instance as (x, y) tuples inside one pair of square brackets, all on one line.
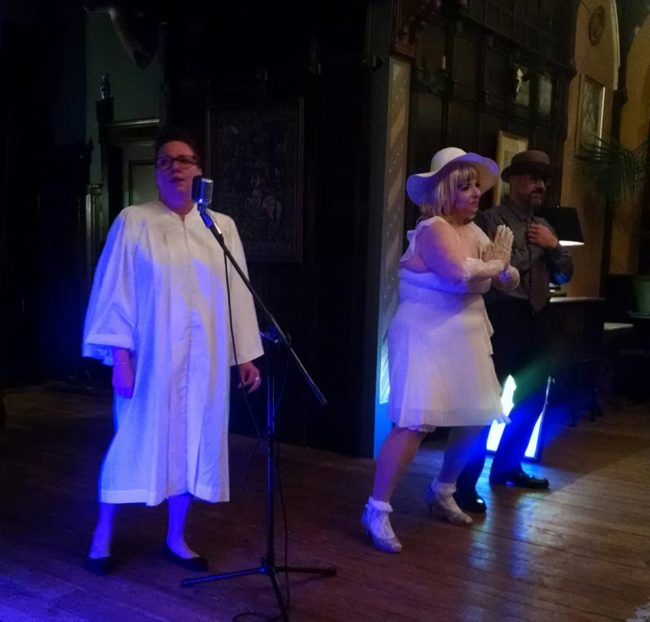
[(412, 16)]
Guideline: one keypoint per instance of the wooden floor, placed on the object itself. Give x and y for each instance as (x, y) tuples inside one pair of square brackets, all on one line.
[(578, 552)]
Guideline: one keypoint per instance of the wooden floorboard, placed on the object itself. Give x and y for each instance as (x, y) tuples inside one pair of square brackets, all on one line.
[(579, 552)]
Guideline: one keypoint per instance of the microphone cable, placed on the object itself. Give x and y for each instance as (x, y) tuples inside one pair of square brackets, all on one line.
[(277, 478)]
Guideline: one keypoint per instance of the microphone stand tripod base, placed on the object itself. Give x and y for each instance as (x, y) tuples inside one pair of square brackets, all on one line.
[(264, 569), (267, 566)]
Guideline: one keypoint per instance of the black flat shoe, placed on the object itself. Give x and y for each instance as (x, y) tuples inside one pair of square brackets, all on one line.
[(520, 478), (101, 566), (196, 564), (470, 502)]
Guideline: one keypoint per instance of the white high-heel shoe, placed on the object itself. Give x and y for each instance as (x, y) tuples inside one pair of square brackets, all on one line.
[(375, 520), (439, 497)]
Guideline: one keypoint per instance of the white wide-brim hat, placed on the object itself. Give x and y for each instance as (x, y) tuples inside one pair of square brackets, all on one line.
[(418, 186)]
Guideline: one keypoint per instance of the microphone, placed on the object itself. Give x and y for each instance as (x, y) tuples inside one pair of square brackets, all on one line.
[(202, 196), (202, 191)]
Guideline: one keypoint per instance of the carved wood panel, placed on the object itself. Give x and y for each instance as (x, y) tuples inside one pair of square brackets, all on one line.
[(497, 76), (465, 66), (462, 130), (490, 79)]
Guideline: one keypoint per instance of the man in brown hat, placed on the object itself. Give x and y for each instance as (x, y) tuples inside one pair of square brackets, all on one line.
[(517, 316)]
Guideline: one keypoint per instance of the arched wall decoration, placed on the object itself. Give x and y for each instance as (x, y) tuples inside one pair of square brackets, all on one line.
[(597, 25)]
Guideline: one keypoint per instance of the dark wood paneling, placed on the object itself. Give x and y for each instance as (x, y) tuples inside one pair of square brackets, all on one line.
[(432, 47), (462, 129), (425, 114), (465, 66), (317, 55), (490, 124), (44, 168), (528, 22), (233, 53), (486, 45), (498, 76)]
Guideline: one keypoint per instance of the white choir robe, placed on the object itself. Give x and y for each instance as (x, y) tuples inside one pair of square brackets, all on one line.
[(160, 291)]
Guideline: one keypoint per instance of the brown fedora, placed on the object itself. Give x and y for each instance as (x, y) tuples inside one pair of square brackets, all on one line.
[(531, 161)]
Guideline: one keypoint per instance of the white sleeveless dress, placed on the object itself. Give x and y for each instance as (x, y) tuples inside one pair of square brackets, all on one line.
[(440, 355)]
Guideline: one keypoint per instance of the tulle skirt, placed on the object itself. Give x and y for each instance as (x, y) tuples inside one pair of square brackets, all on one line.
[(440, 358)]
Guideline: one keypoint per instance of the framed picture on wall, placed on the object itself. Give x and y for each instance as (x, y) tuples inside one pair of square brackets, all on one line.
[(507, 146), (255, 156), (590, 114)]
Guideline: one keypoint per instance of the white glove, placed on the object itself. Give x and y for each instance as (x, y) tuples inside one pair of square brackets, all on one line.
[(508, 279), (477, 269), (501, 247)]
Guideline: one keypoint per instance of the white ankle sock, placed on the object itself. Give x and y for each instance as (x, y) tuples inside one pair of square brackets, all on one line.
[(382, 506)]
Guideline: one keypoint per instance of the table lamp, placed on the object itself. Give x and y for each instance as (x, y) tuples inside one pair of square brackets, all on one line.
[(566, 223)]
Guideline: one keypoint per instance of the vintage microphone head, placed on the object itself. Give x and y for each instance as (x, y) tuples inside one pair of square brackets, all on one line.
[(202, 191)]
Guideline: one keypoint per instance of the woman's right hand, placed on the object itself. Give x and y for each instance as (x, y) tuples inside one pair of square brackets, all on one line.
[(501, 248), (123, 378)]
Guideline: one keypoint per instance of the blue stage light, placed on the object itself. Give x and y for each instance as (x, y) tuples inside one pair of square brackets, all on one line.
[(496, 430)]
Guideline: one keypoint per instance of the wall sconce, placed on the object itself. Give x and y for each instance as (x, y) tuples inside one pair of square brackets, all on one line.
[(566, 223)]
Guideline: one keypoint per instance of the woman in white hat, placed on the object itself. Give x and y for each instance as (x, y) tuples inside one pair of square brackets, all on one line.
[(441, 371)]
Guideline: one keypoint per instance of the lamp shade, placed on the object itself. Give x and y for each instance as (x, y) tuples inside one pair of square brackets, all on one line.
[(566, 223)]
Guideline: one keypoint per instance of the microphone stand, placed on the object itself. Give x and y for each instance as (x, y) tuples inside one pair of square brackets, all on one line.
[(268, 565)]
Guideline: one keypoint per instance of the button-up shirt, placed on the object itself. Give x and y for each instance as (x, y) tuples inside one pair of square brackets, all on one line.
[(524, 255)]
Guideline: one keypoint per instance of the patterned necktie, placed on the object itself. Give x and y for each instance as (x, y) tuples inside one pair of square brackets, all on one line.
[(538, 286), (538, 293)]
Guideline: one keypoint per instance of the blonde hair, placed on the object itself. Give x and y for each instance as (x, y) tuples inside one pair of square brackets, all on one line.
[(441, 197)]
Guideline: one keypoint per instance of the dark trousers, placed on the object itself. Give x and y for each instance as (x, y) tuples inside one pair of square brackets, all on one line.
[(520, 350)]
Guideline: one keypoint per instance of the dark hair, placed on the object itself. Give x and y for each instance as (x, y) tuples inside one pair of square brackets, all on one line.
[(170, 134)]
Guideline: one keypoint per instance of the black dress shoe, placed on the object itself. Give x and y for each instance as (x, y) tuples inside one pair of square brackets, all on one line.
[(470, 502), (520, 478), (196, 564), (100, 566)]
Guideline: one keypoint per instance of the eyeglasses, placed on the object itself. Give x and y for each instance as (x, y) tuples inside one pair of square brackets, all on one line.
[(535, 178), (164, 163)]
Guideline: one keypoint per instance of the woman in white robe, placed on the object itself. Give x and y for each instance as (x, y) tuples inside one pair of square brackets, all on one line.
[(159, 314)]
